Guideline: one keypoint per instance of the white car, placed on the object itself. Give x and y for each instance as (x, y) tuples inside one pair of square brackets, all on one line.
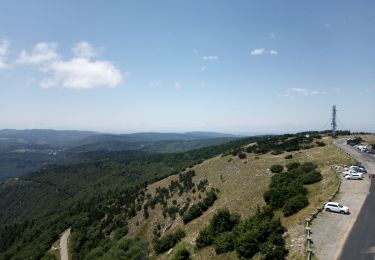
[(354, 176), (348, 172), (336, 207)]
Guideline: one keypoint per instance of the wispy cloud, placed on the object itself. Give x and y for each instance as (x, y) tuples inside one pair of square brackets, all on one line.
[(4, 47), (42, 52), (273, 52), (212, 57), (79, 72), (203, 68), (178, 86), (84, 50), (258, 51), (304, 91), (262, 51)]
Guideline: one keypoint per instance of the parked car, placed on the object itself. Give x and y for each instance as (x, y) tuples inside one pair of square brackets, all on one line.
[(358, 168), (336, 207), (354, 176), (347, 172)]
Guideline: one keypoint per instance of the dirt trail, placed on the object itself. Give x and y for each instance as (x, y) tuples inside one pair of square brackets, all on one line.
[(330, 230), (64, 245)]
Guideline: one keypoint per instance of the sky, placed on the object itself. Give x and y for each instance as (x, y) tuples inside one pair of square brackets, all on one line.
[(176, 66)]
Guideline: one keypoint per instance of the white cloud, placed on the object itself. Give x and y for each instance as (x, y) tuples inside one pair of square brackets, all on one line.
[(261, 51), (258, 51), (81, 73), (43, 52), (304, 91), (203, 68), (273, 52), (84, 50), (178, 85), (4, 47), (212, 57)]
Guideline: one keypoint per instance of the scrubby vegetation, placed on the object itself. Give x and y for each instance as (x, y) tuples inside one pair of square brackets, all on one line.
[(182, 254), (165, 243), (97, 193), (257, 234), (197, 210), (289, 156), (276, 168), (286, 189)]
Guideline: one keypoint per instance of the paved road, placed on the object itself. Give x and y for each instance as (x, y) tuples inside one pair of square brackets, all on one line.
[(64, 245), (360, 243)]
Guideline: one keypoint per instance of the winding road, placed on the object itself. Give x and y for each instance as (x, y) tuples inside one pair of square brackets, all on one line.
[(64, 255)]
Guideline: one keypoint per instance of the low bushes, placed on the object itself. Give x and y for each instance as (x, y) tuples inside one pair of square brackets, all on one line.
[(276, 168), (257, 234), (286, 190), (165, 243), (288, 157), (222, 221), (182, 254), (197, 210)]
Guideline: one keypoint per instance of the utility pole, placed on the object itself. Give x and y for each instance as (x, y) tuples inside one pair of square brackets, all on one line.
[(334, 124)]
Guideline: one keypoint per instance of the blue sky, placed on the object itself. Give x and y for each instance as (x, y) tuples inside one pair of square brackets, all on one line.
[(229, 66)]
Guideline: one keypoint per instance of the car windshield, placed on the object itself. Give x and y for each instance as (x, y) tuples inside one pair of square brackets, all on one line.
[(341, 206)]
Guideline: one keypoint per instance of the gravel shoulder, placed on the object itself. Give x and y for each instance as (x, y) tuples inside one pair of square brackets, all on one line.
[(330, 230), (64, 245)]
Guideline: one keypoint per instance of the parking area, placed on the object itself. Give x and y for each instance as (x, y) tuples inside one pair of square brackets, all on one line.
[(330, 230)]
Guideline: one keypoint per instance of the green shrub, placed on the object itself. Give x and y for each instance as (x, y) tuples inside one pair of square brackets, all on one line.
[(205, 238), (276, 168), (165, 243), (242, 155), (182, 254), (289, 156), (311, 177), (224, 243), (277, 152), (308, 167), (320, 143), (273, 248), (295, 204), (293, 165), (197, 209), (222, 221)]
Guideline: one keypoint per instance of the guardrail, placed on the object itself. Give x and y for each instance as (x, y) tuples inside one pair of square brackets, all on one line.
[(313, 215)]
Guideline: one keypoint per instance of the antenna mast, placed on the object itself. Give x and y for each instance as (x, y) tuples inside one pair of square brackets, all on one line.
[(334, 124)]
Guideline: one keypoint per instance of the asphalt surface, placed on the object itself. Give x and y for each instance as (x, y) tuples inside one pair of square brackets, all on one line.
[(360, 244), (64, 255)]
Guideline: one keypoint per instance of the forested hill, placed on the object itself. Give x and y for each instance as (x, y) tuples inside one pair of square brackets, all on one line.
[(97, 196)]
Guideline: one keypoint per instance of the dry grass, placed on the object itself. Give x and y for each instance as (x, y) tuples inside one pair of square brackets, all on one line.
[(242, 184)]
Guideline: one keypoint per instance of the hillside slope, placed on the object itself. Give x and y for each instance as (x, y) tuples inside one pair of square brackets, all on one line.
[(242, 183)]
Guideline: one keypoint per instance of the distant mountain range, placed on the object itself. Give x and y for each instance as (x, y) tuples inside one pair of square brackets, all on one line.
[(23, 151)]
